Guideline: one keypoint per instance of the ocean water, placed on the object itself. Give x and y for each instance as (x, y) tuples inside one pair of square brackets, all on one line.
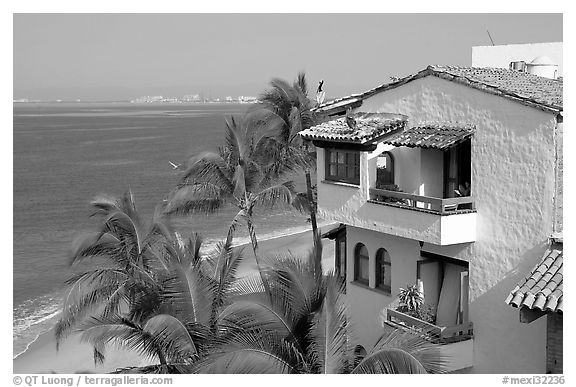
[(65, 154)]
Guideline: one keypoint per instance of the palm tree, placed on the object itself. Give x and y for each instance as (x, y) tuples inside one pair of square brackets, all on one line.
[(156, 293), (194, 288), (286, 110), (250, 171), (303, 327), (119, 271)]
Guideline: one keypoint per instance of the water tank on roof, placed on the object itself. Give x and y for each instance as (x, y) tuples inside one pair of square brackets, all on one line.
[(543, 67)]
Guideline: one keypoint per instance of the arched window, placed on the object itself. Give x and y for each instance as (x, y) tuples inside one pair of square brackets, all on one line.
[(383, 270), (361, 266), (385, 170)]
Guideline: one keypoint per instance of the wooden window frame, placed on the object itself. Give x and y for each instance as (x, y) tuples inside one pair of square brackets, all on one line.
[(346, 166), (340, 260), (357, 258), (442, 260), (392, 168), (380, 260)]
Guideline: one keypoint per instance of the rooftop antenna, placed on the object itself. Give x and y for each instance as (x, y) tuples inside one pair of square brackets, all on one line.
[(490, 36)]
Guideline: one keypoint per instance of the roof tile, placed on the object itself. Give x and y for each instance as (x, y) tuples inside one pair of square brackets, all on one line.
[(519, 86), (543, 288), (368, 127), (432, 135)]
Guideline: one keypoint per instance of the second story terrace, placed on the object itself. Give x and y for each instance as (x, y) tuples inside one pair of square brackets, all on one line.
[(375, 173)]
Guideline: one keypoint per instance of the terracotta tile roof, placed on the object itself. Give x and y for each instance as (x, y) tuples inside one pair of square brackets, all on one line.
[(531, 90), (369, 127), (542, 288), (432, 135)]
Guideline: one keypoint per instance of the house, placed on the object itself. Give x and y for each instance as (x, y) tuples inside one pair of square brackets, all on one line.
[(451, 178)]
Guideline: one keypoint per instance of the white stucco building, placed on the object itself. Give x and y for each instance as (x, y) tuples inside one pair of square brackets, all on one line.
[(534, 55), (451, 176)]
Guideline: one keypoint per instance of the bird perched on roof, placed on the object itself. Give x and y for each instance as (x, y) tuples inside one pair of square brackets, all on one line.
[(320, 94), (351, 122)]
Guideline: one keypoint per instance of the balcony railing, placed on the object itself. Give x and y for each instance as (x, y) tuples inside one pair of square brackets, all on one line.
[(432, 332), (437, 205)]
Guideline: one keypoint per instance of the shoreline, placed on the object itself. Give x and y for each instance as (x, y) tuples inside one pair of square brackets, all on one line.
[(24, 343), (40, 355)]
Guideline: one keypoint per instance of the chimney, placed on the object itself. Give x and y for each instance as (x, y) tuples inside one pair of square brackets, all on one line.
[(518, 66)]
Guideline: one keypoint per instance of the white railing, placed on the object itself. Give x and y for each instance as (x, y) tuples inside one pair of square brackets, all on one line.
[(441, 206)]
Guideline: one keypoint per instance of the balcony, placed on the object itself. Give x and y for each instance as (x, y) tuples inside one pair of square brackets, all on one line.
[(427, 219), (436, 334), (448, 206), (456, 342)]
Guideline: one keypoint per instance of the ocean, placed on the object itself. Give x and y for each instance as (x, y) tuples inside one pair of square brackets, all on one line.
[(65, 154)]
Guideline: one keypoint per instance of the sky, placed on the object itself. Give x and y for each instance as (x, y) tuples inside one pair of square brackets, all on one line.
[(124, 56)]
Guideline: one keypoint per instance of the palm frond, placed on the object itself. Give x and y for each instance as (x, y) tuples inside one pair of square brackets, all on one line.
[(119, 332), (390, 361), (270, 197), (252, 353), (172, 336), (94, 244), (203, 198), (235, 142), (188, 292), (301, 83), (330, 341), (208, 168), (417, 345)]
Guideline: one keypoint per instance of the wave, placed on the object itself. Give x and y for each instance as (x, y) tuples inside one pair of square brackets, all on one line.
[(32, 318)]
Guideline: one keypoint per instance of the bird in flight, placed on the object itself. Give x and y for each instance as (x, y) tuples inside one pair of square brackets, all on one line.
[(174, 166)]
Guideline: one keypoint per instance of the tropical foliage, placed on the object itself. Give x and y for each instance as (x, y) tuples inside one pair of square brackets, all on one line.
[(249, 171), (158, 296), (286, 110), (302, 326)]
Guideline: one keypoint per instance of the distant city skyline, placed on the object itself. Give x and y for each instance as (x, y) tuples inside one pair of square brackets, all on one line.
[(125, 56)]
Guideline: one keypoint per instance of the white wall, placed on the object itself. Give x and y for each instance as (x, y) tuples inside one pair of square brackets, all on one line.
[(513, 185), (501, 56)]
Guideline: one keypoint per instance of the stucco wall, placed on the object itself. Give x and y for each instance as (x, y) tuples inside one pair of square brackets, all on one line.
[(513, 185)]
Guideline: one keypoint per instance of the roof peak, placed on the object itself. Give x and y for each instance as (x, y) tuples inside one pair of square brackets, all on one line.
[(526, 88)]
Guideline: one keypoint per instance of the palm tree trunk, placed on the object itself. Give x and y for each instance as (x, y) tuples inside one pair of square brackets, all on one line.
[(312, 205), (252, 233), (161, 358)]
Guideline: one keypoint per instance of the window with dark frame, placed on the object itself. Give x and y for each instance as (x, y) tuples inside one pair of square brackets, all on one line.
[(341, 256), (361, 264), (384, 170), (383, 270), (343, 166)]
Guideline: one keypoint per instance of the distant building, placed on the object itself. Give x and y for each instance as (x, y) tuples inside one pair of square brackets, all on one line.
[(191, 98), (148, 99), (535, 56), (246, 99)]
